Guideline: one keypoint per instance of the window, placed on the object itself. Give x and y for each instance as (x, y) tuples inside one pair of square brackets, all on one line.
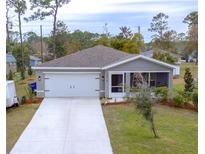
[(117, 83)]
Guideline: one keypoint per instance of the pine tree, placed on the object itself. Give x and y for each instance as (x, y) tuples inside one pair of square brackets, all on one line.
[(189, 81)]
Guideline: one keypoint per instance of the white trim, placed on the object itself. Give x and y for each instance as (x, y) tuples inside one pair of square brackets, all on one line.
[(40, 91), (65, 68), (71, 72), (137, 57), (140, 71)]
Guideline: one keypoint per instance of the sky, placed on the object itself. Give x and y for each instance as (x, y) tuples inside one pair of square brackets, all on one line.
[(91, 15)]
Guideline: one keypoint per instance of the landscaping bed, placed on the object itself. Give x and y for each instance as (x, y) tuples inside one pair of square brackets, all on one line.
[(187, 106)]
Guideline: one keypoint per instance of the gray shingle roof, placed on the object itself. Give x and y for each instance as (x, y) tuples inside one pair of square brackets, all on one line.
[(97, 56)]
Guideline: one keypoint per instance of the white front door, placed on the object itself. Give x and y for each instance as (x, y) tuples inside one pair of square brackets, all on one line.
[(116, 84), (71, 84)]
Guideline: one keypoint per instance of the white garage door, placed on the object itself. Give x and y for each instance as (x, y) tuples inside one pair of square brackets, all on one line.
[(71, 84)]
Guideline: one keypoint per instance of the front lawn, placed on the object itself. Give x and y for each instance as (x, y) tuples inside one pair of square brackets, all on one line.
[(130, 133), (16, 121)]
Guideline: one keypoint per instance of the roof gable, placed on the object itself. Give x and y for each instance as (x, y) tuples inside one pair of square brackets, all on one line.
[(138, 57)]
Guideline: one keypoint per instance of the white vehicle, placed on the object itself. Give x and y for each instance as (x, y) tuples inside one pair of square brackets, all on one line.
[(11, 98)]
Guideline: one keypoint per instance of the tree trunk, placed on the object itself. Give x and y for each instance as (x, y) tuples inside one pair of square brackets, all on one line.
[(20, 33), (54, 29), (153, 126), (7, 30)]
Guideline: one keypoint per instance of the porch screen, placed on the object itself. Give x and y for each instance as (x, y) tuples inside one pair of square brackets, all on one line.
[(117, 83)]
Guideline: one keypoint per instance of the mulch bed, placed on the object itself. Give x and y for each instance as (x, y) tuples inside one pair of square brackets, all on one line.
[(187, 106), (169, 103), (118, 103), (36, 100)]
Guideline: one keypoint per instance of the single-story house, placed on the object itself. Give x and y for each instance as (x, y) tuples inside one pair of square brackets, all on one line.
[(99, 71), (176, 71), (10, 63), (34, 61)]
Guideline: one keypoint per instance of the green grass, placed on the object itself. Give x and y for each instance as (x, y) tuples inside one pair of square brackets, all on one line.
[(16, 121), (130, 133)]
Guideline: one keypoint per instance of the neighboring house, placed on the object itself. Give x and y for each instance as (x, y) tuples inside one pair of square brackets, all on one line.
[(176, 71), (34, 61), (149, 53), (99, 71), (10, 63)]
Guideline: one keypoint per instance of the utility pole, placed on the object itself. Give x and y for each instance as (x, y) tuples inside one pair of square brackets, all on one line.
[(139, 29), (41, 44), (106, 30)]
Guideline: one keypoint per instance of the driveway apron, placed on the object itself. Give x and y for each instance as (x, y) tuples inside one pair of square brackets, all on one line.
[(66, 126)]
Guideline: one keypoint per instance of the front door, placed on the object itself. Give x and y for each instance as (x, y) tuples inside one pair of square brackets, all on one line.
[(116, 88)]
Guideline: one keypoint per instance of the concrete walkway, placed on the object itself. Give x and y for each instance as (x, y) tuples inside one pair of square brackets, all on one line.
[(66, 126)]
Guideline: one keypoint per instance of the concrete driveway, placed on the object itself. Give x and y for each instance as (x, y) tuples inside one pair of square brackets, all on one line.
[(66, 126)]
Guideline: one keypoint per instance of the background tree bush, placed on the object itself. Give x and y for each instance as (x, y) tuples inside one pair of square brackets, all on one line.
[(30, 72)]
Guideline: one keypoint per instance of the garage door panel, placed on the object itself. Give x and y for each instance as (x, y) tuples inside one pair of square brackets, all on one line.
[(71, 85)]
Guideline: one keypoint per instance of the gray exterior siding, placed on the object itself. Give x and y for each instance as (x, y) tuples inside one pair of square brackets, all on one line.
[(140, 65)]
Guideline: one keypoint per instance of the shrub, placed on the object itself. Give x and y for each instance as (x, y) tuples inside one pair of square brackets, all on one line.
[(187, 96), (23, 100), (29, 93), (30, 72), (189, 81), (178, 100), (162, 92), (195, 99)]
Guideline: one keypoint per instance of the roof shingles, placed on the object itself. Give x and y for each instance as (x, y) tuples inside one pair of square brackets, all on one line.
[(98, 56)]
